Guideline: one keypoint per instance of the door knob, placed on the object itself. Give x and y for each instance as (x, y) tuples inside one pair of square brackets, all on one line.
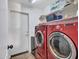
[(10, 46)]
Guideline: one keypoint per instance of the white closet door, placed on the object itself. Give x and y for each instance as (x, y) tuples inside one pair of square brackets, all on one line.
[(18, 32)]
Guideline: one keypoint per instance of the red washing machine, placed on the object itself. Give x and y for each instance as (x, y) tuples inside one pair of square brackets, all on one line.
[(62, 42), (40, 41), (57, 39)]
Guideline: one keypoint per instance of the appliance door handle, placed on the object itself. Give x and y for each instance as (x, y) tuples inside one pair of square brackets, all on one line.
[(34, 49), (39, 54)]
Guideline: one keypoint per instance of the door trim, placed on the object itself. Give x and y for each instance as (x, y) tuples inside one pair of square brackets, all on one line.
[(19, 54)]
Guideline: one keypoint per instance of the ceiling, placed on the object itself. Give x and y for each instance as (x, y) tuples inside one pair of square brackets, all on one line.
[(38, 4)]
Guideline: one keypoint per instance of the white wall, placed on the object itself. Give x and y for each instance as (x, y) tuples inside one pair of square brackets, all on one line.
[(70, 11), (34, 15), (3, 28)]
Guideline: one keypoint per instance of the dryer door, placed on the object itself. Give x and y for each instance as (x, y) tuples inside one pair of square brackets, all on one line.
[(40, 51), (61, 46), (39, 38)]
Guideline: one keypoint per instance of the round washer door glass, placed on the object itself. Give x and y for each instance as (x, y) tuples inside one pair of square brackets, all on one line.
[(39, 38), (60, 45)]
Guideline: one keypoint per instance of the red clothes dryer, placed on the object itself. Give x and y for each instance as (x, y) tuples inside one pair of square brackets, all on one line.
[(62, 39), (57, 39), (40, 41)]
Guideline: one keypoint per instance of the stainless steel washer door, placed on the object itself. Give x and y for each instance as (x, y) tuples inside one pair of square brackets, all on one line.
[(61, 46)]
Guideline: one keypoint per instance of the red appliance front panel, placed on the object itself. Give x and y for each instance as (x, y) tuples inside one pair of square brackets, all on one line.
[(41, 50), (69, 29)]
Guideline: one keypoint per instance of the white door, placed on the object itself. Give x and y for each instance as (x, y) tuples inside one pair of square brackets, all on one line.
[(18, 32)]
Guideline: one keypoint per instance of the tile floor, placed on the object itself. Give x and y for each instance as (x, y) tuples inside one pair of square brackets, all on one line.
[(24, 56)]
